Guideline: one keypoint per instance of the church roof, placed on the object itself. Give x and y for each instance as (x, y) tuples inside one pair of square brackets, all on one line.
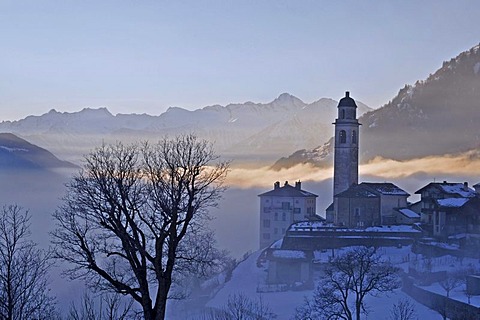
[(347, 101), (287, 191), (357, 191), (372, 190), (386, 188)]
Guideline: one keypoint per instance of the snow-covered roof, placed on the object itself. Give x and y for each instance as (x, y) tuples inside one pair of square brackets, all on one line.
[(452, 188), (386, 188), (396, 228), (452, 202), (277, 244), (289, 254), (287, 191), (408, 213), (318, 226)]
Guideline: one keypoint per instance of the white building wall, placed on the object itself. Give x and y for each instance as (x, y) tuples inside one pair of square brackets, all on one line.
[(278, 213)]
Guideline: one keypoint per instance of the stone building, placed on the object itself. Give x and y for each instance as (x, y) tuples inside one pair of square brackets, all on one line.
[(369, 204), (281, 207), (449, 209)]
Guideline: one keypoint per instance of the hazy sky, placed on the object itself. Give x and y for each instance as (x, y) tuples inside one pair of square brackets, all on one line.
[(144, 56)]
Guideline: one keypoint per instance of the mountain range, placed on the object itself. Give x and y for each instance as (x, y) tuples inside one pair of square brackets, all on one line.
[(437, 116), (246, 132)]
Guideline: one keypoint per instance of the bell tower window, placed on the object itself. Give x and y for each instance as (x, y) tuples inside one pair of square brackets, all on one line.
[(354, 136), (343, 136), (343, 114)]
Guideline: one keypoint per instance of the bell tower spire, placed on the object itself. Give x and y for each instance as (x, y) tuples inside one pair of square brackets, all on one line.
[(346, 145)]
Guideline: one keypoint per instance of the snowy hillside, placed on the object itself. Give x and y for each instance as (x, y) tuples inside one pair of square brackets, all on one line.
[(247, 278), (252, 129), (432, 117)]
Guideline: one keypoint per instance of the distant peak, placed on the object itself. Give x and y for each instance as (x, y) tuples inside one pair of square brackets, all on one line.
[(100, 110), (286, 98), (52, 111)]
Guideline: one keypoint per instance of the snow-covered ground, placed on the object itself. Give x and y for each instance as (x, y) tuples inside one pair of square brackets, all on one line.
[(247, 277)]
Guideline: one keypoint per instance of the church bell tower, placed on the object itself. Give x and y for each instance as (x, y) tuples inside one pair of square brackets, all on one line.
[(346, 145)]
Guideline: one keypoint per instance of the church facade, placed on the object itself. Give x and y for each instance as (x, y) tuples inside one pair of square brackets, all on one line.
[(359, 205)]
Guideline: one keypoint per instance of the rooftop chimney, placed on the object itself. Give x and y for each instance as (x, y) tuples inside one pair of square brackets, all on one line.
[(298, 185), (276, 185), (465, 186), (286, 183), (347, 94)]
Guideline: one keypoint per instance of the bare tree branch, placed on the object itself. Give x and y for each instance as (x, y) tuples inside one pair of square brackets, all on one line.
[(132, 219)]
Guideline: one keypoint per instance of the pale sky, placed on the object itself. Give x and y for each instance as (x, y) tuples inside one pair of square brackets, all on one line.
[(145, 56)]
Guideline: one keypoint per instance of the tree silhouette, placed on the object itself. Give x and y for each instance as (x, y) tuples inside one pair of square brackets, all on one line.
[(133, 220)]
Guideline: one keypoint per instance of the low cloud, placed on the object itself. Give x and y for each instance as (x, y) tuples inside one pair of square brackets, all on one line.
[(465, 165)]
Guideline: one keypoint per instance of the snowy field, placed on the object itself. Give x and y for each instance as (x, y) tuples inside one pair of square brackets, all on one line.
[(247, 277)]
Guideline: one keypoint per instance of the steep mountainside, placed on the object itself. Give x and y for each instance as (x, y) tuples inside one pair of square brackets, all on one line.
[(16, 153), (433, 117), (249, 130)]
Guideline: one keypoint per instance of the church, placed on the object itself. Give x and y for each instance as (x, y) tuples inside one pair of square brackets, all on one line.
[(366, 204)]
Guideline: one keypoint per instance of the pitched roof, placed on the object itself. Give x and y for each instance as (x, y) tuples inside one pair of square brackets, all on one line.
[(287, 191), (357, 191), (451, 188), (386, 188), (408, 213), (452, 202)]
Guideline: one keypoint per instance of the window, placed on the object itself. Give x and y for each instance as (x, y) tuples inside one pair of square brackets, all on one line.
[(343, 136), (357, 212), (343, 114), (276, 216), (284, 216), (275, 231), (266, 209), (266, 223), (285, 205), (354, 136), (297, 210)]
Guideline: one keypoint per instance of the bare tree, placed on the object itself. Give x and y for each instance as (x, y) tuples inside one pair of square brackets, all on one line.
[(24, 292), (240, 307), (450, 282), (103, 307), (349, 278), (403, 310), (129, 213)]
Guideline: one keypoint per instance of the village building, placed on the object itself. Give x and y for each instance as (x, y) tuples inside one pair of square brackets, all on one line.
[(446, 220), (450, 209), (369, 204), (281, 207)]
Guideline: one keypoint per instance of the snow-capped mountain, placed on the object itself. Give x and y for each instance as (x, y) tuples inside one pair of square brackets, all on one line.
[(437, 116), (16, 153), (248, 130)]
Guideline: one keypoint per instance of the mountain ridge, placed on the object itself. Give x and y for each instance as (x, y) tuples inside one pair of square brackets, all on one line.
[(237, 128), (435, 116)]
